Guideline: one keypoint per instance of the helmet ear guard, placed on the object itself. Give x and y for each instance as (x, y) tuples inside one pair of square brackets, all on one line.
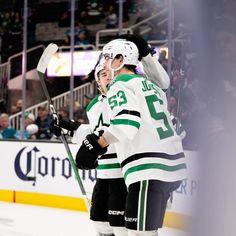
[(98, 69)]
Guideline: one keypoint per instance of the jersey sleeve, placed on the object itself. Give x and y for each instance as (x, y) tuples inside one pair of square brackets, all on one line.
[(81, 133), (124, 111), (155, 72)]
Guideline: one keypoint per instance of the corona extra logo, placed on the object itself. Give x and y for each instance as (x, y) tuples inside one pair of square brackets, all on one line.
[(30, 164)]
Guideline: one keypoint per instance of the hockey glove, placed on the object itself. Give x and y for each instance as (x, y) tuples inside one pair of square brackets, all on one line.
[(86, 157), (66, 127), (178, 127), (143, 47)]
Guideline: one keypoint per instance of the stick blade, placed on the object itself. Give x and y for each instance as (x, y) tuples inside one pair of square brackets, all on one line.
[(46, 57)]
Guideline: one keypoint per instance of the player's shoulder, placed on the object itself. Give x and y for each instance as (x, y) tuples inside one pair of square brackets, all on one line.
[(123, 78), (94, 101)]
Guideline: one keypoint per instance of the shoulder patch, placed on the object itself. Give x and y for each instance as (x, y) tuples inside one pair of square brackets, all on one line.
[(93, 102)]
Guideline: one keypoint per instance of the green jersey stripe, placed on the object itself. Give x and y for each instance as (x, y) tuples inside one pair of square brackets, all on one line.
[(125, 122), (154, 166), (142, 204), (108, 166), (92, 102)]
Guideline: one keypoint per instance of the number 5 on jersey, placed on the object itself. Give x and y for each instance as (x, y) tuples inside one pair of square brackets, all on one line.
[(163, 133)]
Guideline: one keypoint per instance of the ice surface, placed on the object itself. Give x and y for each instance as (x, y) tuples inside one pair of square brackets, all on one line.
[(29, 220)]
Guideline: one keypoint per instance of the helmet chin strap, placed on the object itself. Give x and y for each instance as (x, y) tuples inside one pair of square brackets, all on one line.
[(113, 70)]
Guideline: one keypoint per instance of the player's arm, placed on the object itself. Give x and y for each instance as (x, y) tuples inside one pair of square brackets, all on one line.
[(178, 127), (90, 150), (125, 121), (81, 133), (151, 66), (86, 157), (155, 71)]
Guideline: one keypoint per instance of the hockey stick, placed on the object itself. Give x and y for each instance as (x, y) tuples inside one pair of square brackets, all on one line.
[(41, 68)]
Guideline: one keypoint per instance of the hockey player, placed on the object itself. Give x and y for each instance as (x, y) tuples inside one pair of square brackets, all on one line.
[(154, 70), (109, 193), (148, 148)]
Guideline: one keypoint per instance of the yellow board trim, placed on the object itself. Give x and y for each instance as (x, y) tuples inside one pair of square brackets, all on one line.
[(6, 195), (177, 221), (171, 220), (51, 200)]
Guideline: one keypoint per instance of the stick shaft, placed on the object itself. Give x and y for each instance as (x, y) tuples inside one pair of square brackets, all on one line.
[(64, 141)]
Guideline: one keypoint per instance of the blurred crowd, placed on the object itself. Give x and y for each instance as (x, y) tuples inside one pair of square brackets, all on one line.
[(11, 31), (92, 12), (184, 94), (88, 15), (38, 127)]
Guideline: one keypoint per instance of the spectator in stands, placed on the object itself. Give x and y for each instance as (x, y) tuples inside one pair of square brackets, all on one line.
[(31, 129), (63, 113), (15, 108), (81, 115), (83, 18), (81, 35), (16, 32), (172, 102), (6, 37), (31, 26), (94, 6), (43, 122), (111, 18), (163, 59), (3, 107), (157, 32), (175, 85), (224, 92), (5, 130), (19, 104), (64, 20), (6, 21), (94, 11), (82, 26), (68, 36), (82, 39), (142, 11), (77, 107)]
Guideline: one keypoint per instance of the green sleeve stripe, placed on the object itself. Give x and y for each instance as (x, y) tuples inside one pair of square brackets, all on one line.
[(125, 122), (108, 166), (154, 166), (92, 102)]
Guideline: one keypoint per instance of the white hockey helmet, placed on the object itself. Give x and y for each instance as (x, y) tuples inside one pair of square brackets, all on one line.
[(127, 49)]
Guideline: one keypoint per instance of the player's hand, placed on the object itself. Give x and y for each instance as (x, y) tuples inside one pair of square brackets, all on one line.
[(178, 127), (60, 126), (89, 151), (143, 47)]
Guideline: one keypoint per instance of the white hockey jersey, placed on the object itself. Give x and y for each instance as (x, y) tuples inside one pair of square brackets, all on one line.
[(148, 146), (108, 165)]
